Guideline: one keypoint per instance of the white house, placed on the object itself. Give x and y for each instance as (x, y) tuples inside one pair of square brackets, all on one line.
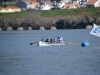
[(93, 3), (47, 5), (80, 1)]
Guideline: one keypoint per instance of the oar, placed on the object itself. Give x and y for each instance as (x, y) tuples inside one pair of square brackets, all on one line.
[(34, 43)]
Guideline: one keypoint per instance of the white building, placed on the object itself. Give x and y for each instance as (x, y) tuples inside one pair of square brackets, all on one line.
[(47, 5)]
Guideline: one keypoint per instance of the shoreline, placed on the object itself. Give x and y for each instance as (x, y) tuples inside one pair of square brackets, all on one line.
[(41, 28)]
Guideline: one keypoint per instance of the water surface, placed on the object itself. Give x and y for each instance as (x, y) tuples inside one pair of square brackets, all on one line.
[(17, 57)]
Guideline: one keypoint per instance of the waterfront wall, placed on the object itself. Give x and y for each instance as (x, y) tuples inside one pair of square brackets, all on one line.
[(9, 28), (29, 28)]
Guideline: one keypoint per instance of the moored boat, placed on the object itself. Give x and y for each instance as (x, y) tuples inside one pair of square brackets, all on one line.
[(41, 43)]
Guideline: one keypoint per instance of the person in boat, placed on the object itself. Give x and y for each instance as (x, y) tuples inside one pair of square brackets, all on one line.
[(54, 40), (60, 38), (47, 40), (42, 39), (51, 41)]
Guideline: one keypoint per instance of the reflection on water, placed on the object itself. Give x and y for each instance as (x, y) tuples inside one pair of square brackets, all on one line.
[(19, 58)]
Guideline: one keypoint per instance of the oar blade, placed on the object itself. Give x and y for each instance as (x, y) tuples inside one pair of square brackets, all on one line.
[(31, 43), (34, 43)]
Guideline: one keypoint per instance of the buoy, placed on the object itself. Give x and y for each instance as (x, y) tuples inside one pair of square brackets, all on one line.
[(85, 44)]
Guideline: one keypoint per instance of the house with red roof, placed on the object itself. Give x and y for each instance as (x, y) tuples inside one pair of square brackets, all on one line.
[(10, 9), (93, 3), (70, 6)]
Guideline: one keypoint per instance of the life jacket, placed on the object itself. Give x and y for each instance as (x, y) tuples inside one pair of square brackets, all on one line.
[(60, 39), (54, 40)]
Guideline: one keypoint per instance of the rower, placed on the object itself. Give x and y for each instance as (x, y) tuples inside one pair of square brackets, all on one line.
[(60, 38), (51, 41), (42, 39), (54, 40), (47, 40)]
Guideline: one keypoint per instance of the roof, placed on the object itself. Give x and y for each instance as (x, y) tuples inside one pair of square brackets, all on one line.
[(11, 7), (91, 1), (49, 2), (69, 5), (33, 2), (30, 1)]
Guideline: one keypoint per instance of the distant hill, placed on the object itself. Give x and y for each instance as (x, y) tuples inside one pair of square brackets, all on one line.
[(61, 19)]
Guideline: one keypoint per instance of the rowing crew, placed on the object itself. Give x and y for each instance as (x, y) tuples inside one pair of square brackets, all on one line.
[(58, 40)]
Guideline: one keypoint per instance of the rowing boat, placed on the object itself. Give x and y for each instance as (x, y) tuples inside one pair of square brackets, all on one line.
[(41, 43)]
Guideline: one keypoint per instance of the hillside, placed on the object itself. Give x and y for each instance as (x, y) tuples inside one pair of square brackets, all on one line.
[(62, 19)]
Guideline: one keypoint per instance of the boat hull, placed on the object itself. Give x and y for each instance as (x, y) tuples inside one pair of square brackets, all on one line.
[(49, 44)]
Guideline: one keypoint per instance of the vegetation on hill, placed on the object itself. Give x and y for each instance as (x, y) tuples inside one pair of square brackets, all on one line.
[(62, 19)]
